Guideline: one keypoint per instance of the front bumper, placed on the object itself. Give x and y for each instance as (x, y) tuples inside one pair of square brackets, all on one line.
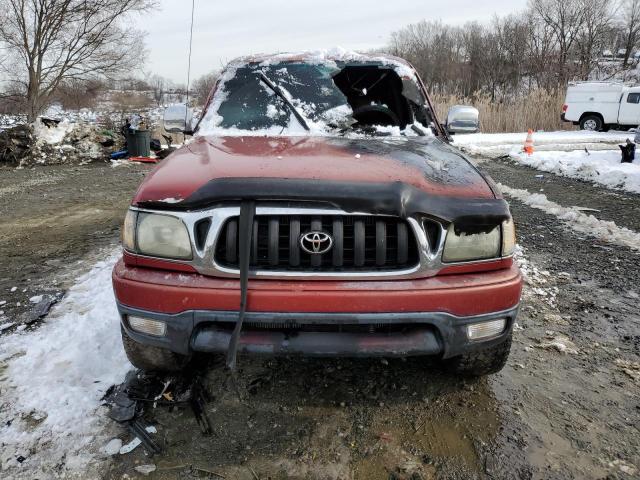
[(366, 318), (352, 335)]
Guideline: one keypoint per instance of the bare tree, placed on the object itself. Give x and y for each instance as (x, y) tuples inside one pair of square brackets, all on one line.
[(566, 19), (630, 18), (76, 94), (158, 84), (53, 41), (541, 55), (597, 21), (202, 87)]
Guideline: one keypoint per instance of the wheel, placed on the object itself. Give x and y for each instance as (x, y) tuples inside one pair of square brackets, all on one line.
[(481, 362), (591, 122), (152, 359)]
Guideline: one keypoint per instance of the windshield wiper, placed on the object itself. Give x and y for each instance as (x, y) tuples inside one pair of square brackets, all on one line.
[(278, 91)]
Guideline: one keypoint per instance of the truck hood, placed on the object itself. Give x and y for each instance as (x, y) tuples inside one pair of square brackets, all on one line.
[(426, 163)]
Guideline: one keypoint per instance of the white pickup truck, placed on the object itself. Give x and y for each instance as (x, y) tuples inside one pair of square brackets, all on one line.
[(599, 106)]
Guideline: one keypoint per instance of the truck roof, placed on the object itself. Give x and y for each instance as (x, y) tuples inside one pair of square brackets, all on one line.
[(322, 56), (597, 84)]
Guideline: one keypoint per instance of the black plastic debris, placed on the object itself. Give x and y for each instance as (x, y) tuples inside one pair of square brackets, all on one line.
[(108, 142), (15, 143), (50, 122), (142, 392), (156, 146), (42, 308), (628, 151), (165, 152)]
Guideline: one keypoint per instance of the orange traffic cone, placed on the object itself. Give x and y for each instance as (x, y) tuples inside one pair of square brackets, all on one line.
[(528, 143)]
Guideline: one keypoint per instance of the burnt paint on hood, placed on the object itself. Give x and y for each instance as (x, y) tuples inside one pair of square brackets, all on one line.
[(425, 164)]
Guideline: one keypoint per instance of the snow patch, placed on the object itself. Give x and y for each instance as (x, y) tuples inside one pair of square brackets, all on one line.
[(338, 54), (601, 167), (536, 279), (581, 222), (59, 373), (52, 135), (171, 200), (494, 145)]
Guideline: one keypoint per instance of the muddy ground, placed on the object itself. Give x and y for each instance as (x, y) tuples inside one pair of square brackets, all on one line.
[(548, 414), (55, 218)]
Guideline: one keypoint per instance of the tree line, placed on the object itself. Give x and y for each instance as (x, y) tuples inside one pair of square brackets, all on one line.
[(548, 44), (69, 49)]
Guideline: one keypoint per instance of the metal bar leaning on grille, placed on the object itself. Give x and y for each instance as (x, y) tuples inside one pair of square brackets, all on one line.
[(245, 227)]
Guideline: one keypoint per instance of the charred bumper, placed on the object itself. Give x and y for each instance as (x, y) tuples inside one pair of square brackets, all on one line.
[(319, 334)]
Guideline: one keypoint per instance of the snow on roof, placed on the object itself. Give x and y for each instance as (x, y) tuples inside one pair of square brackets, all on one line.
[(328, 56)]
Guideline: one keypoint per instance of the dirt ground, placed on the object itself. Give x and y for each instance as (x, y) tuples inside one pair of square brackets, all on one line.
[(549, 414), (53, 218)]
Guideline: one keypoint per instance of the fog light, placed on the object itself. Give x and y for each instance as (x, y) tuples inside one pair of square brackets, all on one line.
[(478, 331), (148, 326)]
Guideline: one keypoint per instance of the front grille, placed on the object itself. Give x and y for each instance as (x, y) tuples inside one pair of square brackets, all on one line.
[(360, 243)]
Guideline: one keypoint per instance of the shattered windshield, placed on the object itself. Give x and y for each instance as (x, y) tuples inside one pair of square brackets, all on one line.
[(250, 105), (331, 97)]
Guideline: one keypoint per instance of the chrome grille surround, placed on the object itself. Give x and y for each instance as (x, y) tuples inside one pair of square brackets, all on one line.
[(429, 256)]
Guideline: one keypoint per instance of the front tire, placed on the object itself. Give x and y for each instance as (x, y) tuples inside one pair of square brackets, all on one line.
[(482, 362), (591, 123), (152, 359)]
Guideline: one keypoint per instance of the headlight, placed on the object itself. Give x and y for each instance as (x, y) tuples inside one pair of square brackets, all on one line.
[(460, 247), (508, 237), (129, 230), (162, 236)]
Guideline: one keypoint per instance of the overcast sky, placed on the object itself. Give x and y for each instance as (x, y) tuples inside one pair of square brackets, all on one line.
[(226, 29)]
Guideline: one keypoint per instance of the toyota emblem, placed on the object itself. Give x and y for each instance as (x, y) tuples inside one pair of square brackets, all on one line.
[(316, 242)]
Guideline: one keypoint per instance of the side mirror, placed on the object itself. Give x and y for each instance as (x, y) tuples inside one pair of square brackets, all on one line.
[(178, 119), (463, 119)]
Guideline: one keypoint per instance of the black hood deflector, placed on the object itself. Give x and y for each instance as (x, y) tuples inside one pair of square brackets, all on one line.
[(391, 198)]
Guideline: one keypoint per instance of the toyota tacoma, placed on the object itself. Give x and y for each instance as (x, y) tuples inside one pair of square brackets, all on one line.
[(318, 210)]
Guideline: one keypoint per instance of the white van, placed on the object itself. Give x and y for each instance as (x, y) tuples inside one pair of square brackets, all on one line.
[(602, 105)]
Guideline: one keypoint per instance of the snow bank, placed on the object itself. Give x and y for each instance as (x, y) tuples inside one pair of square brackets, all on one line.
[(601, 167), (498, 144), (53, 379), (52, 135), (603, 230)]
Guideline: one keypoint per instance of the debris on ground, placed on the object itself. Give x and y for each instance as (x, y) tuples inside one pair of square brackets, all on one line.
[(632, 369), (145, 469), (54, 142), (143, 159), (43, 304), (15, 144), (559, 342), (113, 447), (142, 392)]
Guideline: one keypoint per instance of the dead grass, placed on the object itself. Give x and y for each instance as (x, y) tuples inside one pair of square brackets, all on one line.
[(539, 110), (130, 101)]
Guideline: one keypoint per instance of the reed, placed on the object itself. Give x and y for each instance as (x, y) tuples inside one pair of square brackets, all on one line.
[(538, 110)]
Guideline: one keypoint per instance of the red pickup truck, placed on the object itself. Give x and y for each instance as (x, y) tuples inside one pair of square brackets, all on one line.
[(319, 210)]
